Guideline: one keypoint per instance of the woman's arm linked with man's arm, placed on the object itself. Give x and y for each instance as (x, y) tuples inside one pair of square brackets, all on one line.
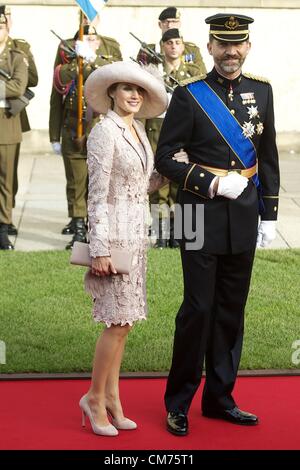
[(100, 151)]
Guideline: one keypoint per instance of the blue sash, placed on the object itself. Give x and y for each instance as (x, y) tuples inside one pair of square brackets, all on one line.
[(226, 124)]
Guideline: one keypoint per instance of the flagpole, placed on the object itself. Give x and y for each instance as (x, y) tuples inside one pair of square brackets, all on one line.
[(80, 84)]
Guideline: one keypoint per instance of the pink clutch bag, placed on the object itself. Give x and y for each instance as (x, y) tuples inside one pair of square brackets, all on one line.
[(121, 259)]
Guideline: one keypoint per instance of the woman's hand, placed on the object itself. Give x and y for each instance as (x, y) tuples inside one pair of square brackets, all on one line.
[(102, 266), (181, 157)]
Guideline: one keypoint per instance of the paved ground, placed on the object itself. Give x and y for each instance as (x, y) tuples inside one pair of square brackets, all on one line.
[(41, 210)]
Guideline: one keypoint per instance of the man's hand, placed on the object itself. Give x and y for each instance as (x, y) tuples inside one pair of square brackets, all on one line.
[(181, 157), (56, 146), (102, 266), (232, 185), (83, 50), (266, 233)]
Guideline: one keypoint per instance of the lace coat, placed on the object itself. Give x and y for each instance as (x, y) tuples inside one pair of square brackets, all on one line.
[(120, 176)]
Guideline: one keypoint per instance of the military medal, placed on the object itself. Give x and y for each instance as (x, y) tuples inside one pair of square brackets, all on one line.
[(248, 98), (248, 129), (259, 128), (230, 94), (189, 58), (253, 112)]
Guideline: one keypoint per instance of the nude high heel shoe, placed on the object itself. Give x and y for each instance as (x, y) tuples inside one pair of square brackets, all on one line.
[(108, 430), (124, 424)]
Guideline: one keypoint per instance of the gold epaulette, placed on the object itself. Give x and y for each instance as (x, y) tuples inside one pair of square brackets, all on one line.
[(194, 79), (256, 77)]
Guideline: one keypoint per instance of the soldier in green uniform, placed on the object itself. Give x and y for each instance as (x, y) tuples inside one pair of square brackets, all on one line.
[(97, 51), (13, 82), (24, 46), (170, 19), (174, 70)]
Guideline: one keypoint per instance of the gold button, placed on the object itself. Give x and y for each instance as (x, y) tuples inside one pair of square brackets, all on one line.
[(232, 163), (202, 175), (197, 188), (232, 111), (275, 209)]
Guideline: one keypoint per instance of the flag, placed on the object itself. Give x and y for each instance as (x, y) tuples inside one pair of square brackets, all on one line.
[(91, 8)]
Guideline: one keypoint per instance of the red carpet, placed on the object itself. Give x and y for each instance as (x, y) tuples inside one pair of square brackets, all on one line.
[(45, 415)]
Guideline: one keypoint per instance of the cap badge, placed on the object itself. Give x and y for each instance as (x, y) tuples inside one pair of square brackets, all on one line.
[(232, 23)]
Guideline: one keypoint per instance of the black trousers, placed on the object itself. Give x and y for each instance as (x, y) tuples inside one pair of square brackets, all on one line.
[(209, 325)]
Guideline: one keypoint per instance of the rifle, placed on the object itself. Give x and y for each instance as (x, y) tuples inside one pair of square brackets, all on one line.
[(5, 74), (65, 46), (16, 105), (151, 52), (70, 50), (159, 58), (80, 138), (174, 79), (169, 88), (134, 60)]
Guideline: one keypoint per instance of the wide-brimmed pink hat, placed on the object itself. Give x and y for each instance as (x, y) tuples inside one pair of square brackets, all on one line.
[(96, 87)]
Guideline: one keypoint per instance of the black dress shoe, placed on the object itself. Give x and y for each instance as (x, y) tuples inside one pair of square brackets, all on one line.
[(79, 233), (12, 230), (5, 243), (161, 243), (173, 243), (235, 415), (78, 237), (69, 228), (177, 423)]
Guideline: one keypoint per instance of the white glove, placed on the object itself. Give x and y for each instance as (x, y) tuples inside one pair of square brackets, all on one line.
[(83, 50), (266, 233), (181, 157), (232, 185), (56, 146)]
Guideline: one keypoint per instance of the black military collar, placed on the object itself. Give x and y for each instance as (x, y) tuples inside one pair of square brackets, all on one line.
[(224, 82)]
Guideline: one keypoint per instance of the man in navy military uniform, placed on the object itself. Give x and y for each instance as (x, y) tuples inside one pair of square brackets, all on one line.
[(225, 122)]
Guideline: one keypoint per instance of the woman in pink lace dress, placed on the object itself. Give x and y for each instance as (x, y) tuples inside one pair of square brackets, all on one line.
[(120, 164)]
